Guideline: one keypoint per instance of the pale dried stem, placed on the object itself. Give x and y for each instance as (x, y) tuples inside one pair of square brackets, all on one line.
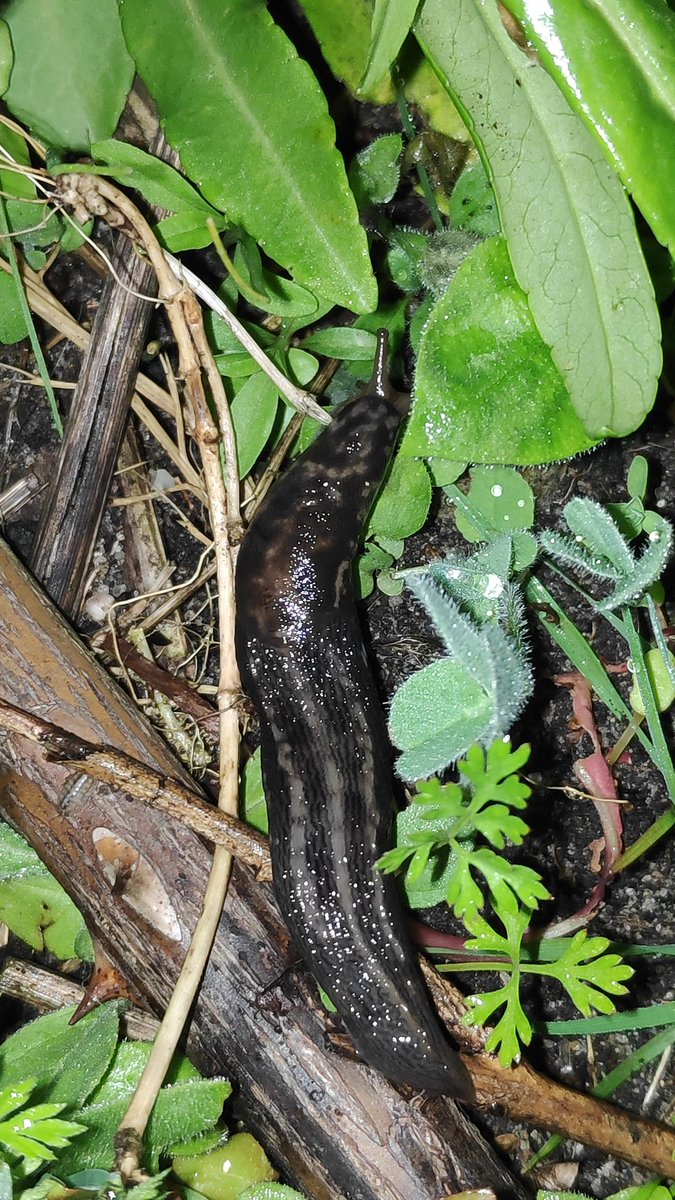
[(45, 305), (186, 321), (303, 401)]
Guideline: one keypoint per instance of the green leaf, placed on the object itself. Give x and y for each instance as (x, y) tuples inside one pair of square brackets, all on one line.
[(429, 886), (513, 1027), (374, 558), (403, 504), (280, 296), (253, 130), (32, 1132), (253, 806), (587, 287), (505, 501), (375, 172), (407, 248), (343, 30), (226, 1172), (435, 716), (254, 409), (186, 230), (391, 24), (13, 326), (159, 182), (6, 57), (183, 1110), (343, 341), (486, 388), (32, 904), (589, 975), (615, 63), (67, 1061), (71, 70), (472, 203)]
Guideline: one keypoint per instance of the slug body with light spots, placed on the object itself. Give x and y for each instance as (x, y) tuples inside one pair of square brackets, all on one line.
[(325, 752)]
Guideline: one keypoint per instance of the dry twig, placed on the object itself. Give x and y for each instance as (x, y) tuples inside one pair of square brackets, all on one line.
[(195, 366)]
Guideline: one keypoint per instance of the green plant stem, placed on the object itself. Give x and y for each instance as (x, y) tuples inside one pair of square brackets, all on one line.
[(247, 290), (28, 318), (661, 752), (646, 842), (422, 173), (659, 638)]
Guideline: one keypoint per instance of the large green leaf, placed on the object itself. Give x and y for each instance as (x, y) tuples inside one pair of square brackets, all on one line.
[(184, 1109), (252, 128), (67, 1061), (486, 388), (571, 234), (615, 62), (71, 72)]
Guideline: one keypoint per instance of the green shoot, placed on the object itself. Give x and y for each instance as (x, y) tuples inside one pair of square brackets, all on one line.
[(31, 1135), (454, 814), (28, 318), (599, 549), (475, 693), (588, 974), (469, 821)]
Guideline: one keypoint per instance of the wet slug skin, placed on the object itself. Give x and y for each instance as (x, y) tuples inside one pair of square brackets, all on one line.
[(325, 753)]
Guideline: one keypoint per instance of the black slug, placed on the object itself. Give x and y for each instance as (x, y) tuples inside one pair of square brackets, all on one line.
[(325, 752)]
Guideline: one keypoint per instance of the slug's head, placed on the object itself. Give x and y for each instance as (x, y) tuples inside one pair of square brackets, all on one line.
[(380, 385)]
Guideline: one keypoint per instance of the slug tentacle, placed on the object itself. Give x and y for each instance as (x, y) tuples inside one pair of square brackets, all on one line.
[(325, 753)]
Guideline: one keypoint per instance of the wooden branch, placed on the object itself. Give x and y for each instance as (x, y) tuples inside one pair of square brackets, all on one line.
[(74, 507), (157, 791), (45, 990)]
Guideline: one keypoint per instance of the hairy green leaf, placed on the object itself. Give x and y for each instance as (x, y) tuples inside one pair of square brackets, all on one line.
[(599, 549), (615, 63), (486, 387), (253, 130), (571, 234), (67, 1061), (183, 1110), (71, 70), (472, 696), (374, 174), (472, 203)]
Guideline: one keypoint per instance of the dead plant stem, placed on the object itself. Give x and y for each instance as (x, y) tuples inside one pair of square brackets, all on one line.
[(195, 365)]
